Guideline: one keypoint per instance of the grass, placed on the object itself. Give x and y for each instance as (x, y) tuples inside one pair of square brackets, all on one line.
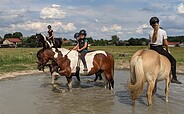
[(16, 59)]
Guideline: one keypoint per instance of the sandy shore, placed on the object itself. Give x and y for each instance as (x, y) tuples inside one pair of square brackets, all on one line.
[(118, 66)]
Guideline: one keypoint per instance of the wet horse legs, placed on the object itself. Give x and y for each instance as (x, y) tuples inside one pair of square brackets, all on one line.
[(69, 79), (151, 85)]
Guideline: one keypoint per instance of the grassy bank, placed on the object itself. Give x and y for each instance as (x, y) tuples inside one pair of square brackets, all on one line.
[(16, 59)]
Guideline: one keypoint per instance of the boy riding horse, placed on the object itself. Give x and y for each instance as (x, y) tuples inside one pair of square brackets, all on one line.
[(82, 47)]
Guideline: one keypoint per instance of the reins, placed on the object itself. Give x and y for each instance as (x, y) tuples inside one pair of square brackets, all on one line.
[(68, 52)]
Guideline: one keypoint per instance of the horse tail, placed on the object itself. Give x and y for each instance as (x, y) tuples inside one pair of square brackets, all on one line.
[(136, 85)]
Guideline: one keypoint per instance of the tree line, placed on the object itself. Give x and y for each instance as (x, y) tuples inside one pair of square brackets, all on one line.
[(30, 41)]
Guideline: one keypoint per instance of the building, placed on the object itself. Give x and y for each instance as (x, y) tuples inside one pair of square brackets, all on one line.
[(182, 44), (174, 44), (12, 42)]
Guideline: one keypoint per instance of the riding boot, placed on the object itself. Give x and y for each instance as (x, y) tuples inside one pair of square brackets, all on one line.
[(174, 78)]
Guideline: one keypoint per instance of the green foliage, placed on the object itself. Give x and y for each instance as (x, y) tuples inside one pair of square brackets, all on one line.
[(176, 38), (17, 35), (115, 39), (138, 42), (9, 35), (30, 42)]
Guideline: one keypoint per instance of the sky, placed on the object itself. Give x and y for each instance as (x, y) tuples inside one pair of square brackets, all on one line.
[(100, 18)]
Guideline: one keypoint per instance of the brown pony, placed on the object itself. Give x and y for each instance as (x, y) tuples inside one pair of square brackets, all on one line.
[(68, 63), (148, 65)]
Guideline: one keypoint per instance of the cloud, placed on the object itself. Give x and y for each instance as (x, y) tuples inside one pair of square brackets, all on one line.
[(39, 26), (141, 28), (53, 11), (113, 28), (180, 8), (158, 6), (13, 13)]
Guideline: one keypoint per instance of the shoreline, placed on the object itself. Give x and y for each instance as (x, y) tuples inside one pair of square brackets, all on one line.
[(118, 66)]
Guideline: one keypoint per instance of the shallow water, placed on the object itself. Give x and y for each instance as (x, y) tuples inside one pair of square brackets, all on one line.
[(33, 95)]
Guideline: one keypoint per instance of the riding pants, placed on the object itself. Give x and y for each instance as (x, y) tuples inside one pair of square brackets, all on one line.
[(82, 57)]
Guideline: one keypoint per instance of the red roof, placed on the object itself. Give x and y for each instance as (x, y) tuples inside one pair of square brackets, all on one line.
[(14, 40), (173, 43)]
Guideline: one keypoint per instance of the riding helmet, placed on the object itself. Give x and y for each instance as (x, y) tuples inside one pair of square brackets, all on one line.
[(154, 20), (83, 32), (76, 35), (49, 26)]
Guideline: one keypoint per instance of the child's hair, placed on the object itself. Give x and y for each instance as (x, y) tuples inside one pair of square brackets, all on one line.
[(154, 37)]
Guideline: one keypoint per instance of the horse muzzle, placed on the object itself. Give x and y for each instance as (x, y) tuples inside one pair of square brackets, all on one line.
[(40, 67)]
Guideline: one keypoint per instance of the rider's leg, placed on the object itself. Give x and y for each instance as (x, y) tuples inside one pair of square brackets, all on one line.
[(84, 61), (160, 50)]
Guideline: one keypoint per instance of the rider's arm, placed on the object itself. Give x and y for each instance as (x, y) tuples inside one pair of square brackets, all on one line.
[(76, 47), (165, 41), (166, 44), (85, 46)]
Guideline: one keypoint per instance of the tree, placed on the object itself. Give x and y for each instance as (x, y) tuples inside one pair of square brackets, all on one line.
[(9, 35), (31, 42), (115, 39), (90, 40), (17, 35), (132, 41)]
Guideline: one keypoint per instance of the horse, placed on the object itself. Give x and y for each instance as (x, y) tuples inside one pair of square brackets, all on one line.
[(68, 61), (47, 43), (148, 65)]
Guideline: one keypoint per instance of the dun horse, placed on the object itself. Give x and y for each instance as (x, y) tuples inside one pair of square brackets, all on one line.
[(148, 65), (68, 63)]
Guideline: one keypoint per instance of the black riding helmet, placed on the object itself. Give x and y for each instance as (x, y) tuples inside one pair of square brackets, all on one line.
[(49, 26), (154, 20), (83, 32), (76, 35)]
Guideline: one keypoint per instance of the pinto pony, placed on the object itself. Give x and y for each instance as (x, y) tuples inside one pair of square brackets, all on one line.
[(46, 43), (148, 65), (69, 64)]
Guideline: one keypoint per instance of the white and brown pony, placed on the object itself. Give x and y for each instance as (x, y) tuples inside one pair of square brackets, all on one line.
[(68, 61), (46, 43), (148, 65)]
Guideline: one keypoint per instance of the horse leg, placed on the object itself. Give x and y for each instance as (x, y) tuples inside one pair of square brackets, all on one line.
[(167, 88), (110, 80), (69, 79), (98, 75), (54, 77), (155, 88), (77, 73), (105, 80), (151, 85)]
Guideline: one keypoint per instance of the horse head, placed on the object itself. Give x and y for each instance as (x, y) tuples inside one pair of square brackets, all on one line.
[(40, 38), (42, 60)]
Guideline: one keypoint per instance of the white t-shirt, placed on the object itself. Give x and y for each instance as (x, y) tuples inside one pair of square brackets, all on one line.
[(160, 36)]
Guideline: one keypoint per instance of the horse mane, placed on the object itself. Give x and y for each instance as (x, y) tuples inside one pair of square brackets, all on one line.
[(43, 36)]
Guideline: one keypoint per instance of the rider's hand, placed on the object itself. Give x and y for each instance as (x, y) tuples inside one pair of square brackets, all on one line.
[(78, 49)]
